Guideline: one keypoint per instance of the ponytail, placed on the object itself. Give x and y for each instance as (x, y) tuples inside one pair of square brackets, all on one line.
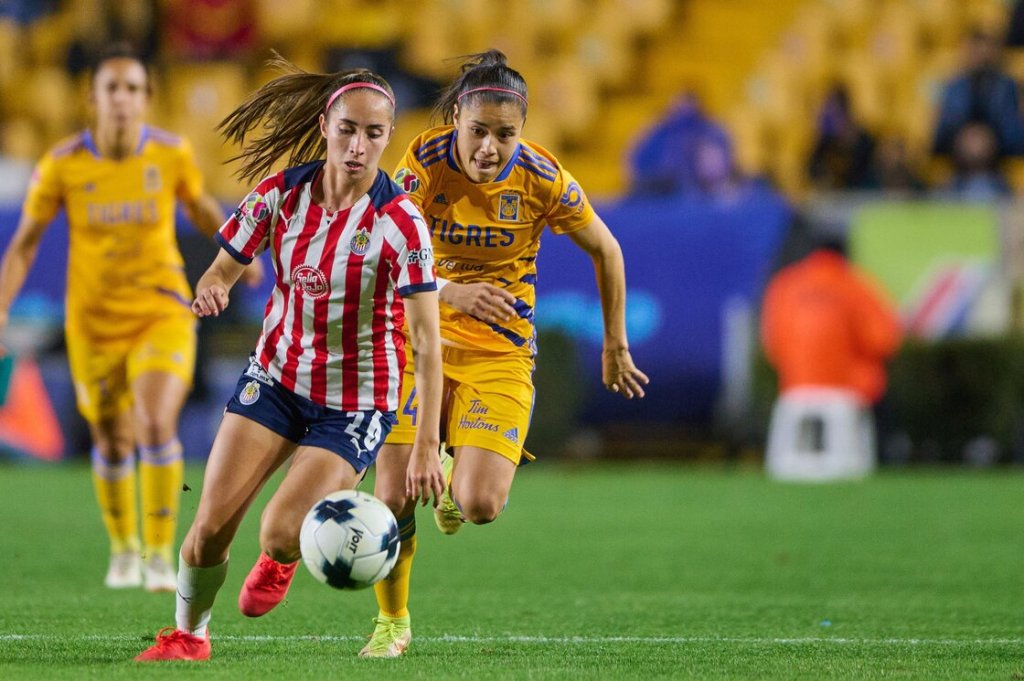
[(287, 109)]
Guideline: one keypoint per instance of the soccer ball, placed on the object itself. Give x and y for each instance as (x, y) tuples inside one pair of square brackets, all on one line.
[(349, 540)]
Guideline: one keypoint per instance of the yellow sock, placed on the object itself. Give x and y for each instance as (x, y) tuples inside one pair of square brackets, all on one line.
[(115, 493), (161, 470), (393, 591)]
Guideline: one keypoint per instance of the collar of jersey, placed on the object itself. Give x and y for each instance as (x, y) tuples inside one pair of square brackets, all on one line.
[(90, 143), (453, 163)]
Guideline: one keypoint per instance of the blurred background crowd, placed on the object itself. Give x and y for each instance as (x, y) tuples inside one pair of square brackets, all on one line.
[(721, 139)]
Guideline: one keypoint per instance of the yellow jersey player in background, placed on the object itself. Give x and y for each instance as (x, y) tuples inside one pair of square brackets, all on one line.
[(130, 332), (487, 196)]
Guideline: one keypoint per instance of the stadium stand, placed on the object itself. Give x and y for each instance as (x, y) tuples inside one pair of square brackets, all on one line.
[(601, 72)]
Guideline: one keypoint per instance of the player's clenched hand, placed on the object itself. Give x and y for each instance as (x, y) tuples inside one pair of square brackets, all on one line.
[(424, 476), (210, 301), (483, 301), (620, 375)]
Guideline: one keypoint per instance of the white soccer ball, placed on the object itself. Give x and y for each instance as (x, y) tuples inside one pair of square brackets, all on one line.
[(349, 540)]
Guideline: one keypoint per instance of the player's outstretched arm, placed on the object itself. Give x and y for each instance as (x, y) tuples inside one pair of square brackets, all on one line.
[(618, 372), (424, 475), (213, 287), (16, 263)]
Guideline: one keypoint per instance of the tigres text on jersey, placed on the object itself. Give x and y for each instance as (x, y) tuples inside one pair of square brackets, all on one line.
[(490, 232)]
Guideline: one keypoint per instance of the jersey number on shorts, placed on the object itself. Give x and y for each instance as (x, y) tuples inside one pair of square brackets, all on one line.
[(365, 441), (410, 409)]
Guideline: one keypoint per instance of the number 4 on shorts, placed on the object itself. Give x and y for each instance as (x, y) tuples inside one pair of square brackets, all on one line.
[(411, 407)]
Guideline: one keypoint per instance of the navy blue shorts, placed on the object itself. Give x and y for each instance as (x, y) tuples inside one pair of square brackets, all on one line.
[(355, 436)]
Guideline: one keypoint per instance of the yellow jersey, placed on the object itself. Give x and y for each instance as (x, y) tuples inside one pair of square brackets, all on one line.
[(124, 265), (490, 232)]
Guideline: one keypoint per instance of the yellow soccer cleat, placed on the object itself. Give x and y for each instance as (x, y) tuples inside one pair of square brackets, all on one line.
[(447, 515), (390, 638)]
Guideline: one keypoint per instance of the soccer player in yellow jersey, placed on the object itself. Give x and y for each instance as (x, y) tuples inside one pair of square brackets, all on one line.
[(487, 196), (130, 331)]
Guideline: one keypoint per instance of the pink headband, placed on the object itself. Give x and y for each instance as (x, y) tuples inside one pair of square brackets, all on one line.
[(493, 89), (352, 86)]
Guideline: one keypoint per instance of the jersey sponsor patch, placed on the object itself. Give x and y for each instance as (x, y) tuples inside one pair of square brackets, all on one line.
[(310, 281), (256, 371), (424, 257), (360, 242), (573, 197), (255, 208), (407, 180), (250, 393), (508, 207)]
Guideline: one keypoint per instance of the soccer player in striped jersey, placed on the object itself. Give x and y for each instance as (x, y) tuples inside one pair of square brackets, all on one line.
[(353, 265), (487, 196), (130, 332)]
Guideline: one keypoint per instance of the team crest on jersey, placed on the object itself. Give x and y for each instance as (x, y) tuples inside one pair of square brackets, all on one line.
[(151, 179), (360, 241), (508, 207), (250, 393), (310, 281), (255, 207), (407, 180)]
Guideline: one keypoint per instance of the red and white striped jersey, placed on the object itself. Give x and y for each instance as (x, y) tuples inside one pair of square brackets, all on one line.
[(332, 328)]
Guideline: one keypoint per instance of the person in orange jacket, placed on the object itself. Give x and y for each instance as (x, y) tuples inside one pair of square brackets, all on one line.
[(824, 323)]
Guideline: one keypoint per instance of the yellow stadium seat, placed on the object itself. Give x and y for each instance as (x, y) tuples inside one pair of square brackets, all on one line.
[(20, 139), (11, 55)]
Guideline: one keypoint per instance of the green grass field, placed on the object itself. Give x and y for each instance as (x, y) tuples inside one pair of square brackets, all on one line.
[(631, 571)]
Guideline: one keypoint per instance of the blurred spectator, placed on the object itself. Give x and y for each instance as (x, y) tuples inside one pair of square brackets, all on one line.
[(825, 324), (101, 22), (1015, 26), (210, 29), (664, 161), (976, 173), (982, 93), (26, 11), (891, 171), (843, 152), (716, 176)]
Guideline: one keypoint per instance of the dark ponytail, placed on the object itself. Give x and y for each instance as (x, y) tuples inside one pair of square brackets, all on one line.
[(287, 109), (488, 69)]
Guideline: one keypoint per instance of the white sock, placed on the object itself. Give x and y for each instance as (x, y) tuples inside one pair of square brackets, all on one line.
[(197, 588)]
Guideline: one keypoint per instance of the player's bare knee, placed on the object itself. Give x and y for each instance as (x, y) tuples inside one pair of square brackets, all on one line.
[(210, 542), (154, 429), (481, 511), (397, 501)]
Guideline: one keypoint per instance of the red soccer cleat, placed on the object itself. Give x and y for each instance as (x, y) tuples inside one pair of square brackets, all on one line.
[(266, 586), (174, 644)]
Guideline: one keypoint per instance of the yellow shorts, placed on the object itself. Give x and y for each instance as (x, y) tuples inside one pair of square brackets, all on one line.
[(103, 370), (488, 402)]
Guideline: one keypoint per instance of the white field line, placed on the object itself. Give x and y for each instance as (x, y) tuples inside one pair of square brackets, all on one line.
[(562, 640)]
